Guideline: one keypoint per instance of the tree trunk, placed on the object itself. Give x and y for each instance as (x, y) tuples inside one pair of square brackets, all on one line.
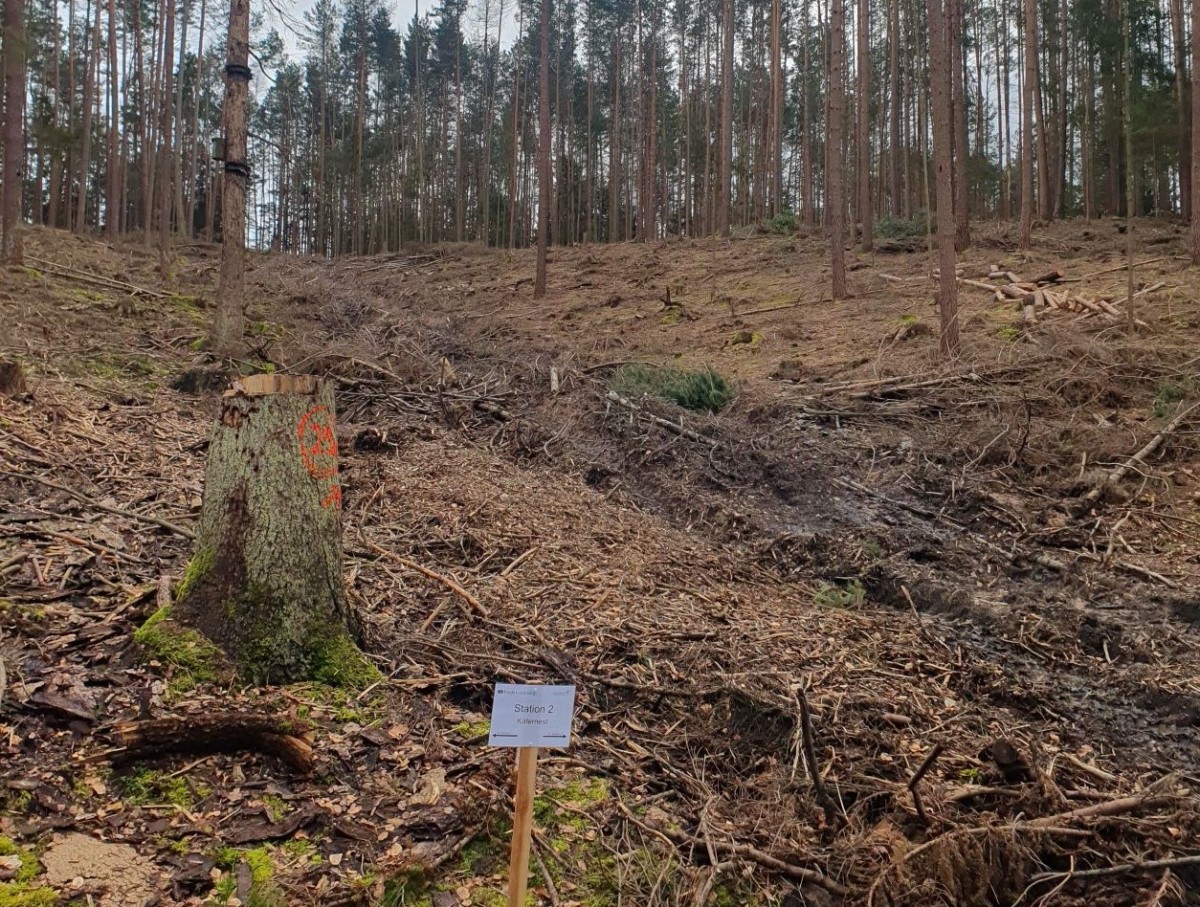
[(836, 202), (958, 92), (265, 581), (726, 176), (89, 83), (539, 285), (863, 117), (166, 154), (940, 33), (228, 323), (1127, 116), (14, 127), (1027, 124), (1195, 135), (775, 133), (112, 200)]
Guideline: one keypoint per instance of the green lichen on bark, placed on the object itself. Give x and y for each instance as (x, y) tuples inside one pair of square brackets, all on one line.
[(265, 584), (200, 564)]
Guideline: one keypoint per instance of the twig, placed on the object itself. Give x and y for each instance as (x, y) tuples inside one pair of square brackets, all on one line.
[(920, 773), (808, 739), (1132, 866), (747, 851), (771, 308), (82, 543), (1092, 770), (80, 496), (551, 891), (1121, 267), (450, 584)]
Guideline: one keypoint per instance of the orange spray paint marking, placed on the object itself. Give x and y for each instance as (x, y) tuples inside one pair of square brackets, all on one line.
[(319, 451), (318, 446)]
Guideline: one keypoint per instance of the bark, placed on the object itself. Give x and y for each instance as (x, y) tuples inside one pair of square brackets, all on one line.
[(863, 109), (265, 582), (943, 140), (228, 322), (112, 202), (14, 128), (1027, 123), (539, 285), (836, 202), (958, 90), (724, 199)]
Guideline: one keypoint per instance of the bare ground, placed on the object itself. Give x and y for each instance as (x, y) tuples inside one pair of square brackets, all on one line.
[(905, 545)]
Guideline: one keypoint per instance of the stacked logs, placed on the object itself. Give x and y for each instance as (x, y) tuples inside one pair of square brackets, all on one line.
[(1047, 293)]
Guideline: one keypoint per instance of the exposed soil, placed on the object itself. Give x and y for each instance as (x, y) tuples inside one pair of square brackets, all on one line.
[(906, 546)]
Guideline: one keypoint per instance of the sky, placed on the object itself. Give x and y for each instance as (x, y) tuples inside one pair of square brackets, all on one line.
[(287, 17)]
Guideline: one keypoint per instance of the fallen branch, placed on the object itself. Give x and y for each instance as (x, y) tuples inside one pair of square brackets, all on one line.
[(614, 397), (222, 732), (92, 502), (1124, 266), (110, 283), (1132, 866), (450, 584), (1138, 458)]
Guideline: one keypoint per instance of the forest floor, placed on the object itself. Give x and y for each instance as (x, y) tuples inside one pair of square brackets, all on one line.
[(918, 582)]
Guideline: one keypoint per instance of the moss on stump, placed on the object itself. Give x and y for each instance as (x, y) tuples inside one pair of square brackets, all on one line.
[(265, 581)]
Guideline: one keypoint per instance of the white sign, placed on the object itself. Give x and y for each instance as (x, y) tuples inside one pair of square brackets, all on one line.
[(525, 715)]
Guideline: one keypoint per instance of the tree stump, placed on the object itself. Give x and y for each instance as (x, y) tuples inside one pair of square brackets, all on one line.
[(12, 379), (265, 581)]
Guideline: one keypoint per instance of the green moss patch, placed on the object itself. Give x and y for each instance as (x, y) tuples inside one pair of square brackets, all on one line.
[(181, 647), (473, 730), (145, 785), (264, 891), (20, 891), (338, 663)]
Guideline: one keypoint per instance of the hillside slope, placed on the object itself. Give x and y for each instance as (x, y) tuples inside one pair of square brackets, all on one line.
[(906, 548)]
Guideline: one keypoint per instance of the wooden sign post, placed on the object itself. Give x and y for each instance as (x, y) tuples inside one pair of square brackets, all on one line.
[(518, 861), (528, 717)]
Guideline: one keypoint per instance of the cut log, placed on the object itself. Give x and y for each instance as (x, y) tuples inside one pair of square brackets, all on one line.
[(1012, 291), (1049, 277), (265, 581)]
